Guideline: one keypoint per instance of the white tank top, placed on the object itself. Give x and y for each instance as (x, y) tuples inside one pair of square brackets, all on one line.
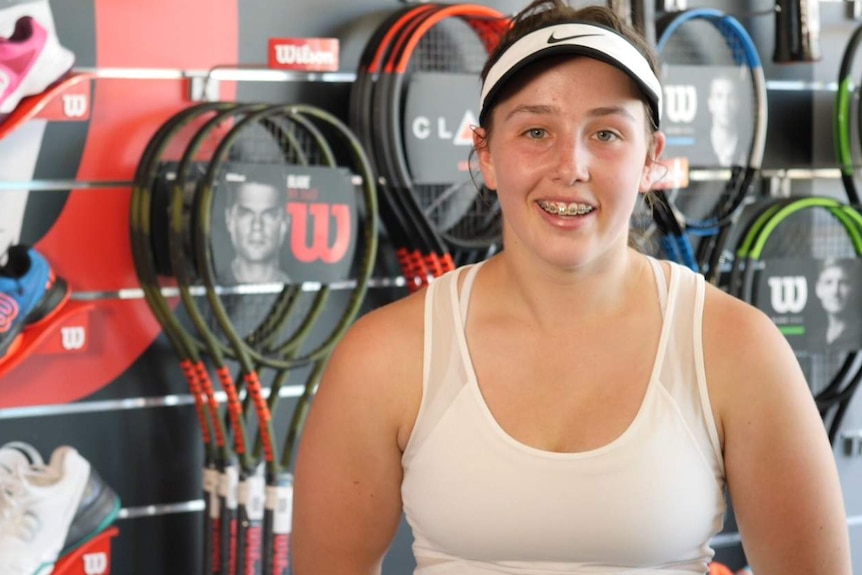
[(480, 502)]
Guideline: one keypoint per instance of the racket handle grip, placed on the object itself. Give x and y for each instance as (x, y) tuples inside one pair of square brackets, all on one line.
[(797, 31)]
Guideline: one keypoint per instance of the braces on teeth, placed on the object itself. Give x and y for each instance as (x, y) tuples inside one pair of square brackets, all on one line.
[(563, 209)]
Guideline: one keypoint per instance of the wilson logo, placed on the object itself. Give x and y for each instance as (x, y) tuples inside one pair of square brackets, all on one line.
[(423, 128), (788, 294), (303, 55), (95, 563), (8, 312), (74, 105), (680, 103), (322, 215), (307, 54), (73, 337)]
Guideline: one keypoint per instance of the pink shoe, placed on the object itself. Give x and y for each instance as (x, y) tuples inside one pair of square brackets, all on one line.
[(31, 59)]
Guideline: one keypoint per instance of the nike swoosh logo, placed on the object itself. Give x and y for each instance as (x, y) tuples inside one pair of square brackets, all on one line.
[(554, 40)]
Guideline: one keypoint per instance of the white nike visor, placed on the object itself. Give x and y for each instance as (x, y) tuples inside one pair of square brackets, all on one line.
[(576, 38)]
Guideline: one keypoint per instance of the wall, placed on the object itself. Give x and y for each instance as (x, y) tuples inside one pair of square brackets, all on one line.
[(122, 401)]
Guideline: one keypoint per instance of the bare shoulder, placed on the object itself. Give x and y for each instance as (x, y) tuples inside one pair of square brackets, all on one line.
[(734, 328), (376, 368), (779, 465), (750, 367), (382, 337), (363, 409)]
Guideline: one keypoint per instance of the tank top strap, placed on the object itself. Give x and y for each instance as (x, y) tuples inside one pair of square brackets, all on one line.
[(660, 282), (443, 373), (683, 374), (467, 289)]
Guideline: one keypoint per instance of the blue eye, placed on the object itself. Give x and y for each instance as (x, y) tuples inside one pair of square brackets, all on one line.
[(536, 133)]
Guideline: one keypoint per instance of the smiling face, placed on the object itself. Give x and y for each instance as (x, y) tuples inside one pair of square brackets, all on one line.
[(567, 151)]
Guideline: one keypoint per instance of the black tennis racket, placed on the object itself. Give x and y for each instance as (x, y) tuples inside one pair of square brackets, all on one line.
[(846, 132), (445, 46), (408, 247), (235, 495), (147, 206), (284, 354), (780, 245)]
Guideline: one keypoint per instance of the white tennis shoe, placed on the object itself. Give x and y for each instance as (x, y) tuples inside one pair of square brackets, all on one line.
[(37, 505)]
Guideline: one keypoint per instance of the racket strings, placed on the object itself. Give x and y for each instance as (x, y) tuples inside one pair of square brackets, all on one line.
[(714, 83), (464, 213), (424, 39), (847, 118)]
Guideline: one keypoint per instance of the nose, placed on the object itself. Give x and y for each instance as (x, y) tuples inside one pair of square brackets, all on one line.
[(257, 221), (572, 160)]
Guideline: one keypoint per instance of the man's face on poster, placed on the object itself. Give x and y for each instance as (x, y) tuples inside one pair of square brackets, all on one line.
[(834, 289), (257, 222), (723, 102)]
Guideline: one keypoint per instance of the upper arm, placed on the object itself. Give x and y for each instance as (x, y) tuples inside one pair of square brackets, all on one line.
[(780, 468), (348, 471)]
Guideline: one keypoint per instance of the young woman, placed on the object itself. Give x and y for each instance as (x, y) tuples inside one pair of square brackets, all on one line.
[(569, 405)]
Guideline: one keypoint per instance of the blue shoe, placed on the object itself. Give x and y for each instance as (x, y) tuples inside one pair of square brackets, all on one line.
[(30, 293)]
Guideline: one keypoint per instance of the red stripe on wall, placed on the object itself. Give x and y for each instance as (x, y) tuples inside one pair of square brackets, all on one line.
[(89, 243)]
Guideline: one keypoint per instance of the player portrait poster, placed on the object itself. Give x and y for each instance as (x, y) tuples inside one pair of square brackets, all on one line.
[(816, 303), (299, 219), (701, 114)]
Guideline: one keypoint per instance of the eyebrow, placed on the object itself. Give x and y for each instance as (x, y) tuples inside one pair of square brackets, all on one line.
[(546, 109)]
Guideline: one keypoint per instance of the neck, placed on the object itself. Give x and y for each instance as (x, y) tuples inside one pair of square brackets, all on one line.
[(548, 296)]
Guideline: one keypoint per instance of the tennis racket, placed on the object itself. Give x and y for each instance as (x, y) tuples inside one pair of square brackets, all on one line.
[(784, 235), (286, 356), (144, 208), (846, 118), (234, 496), (408, 248), (443, 47), (715, 116)]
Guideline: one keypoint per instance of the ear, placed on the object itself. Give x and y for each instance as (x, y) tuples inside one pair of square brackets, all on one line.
[(483, 154), (653, 171)]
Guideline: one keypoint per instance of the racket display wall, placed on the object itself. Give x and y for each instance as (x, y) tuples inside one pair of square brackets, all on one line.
[(123, 403), (800, 160)]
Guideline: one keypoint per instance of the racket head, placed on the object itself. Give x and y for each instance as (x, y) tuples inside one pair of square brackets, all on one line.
[(396, 223), (712, 78), (788, 236), (448, 46), (847, 137)]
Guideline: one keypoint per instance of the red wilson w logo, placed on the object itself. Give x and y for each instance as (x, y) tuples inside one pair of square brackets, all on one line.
[(8, 312), (320, 249)]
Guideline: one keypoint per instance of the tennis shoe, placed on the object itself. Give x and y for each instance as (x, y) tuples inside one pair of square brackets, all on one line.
[(30, 293), (15, 454), (37, 505), (31, 59), (99, 505)]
